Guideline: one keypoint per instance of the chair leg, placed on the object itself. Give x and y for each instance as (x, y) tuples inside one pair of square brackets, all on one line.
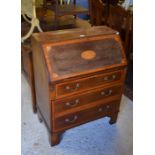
[(26, 19), (34, 23), (39, 28), (29, 33)]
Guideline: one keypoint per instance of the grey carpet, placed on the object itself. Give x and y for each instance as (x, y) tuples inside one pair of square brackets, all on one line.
[(94, 138)]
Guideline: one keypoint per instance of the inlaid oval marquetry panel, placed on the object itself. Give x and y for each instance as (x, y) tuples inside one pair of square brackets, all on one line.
[(88, 55)]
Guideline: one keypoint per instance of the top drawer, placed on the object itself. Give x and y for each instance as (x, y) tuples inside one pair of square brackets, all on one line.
[(76, 86)]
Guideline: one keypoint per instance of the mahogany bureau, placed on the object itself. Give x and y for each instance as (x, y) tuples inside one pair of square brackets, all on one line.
[(79, 76)]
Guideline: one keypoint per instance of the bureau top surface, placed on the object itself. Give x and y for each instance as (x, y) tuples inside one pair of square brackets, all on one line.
[(70, 56), (69, 34)]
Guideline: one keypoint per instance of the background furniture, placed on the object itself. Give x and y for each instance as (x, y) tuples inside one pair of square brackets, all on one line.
[(98, 12), (27, 69), (28, 9), (120, 20), (64, 7), (79, 77)]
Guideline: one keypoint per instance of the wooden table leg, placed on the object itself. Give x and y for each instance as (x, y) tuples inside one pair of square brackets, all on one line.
[(33, 92), (55, 138), (27, 65), (39, 116), (113, 118)]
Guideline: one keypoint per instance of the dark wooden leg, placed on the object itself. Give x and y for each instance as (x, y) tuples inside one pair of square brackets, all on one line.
[(33, 99), (39, 116), (28, 71), (55, 138), (33, 92), (113, 118)]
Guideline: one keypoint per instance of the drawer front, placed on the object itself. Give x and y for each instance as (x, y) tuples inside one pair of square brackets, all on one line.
[(86, 83), (68, 121), (80, 100)]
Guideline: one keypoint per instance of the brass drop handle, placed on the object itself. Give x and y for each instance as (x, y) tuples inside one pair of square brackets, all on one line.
[(73, 89), (67, 120), (106, 78), (104, 108), (103, 93), (72, 104)]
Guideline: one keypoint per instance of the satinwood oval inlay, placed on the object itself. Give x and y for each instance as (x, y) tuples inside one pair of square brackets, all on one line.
[(88, 54)]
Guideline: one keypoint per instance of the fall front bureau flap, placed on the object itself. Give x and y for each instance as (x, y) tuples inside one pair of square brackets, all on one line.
[(85, 52)]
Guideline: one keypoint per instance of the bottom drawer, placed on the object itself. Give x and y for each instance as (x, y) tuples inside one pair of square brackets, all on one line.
[(80, 117)]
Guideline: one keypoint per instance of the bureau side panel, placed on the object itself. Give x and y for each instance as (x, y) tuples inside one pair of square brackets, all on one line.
[(41, 82)]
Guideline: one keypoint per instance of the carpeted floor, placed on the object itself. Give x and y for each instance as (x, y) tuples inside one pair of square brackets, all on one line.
[(94, 138)]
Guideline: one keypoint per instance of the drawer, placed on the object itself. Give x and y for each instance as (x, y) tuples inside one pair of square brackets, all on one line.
[(74, 119), (86, 83), (79, 100)]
